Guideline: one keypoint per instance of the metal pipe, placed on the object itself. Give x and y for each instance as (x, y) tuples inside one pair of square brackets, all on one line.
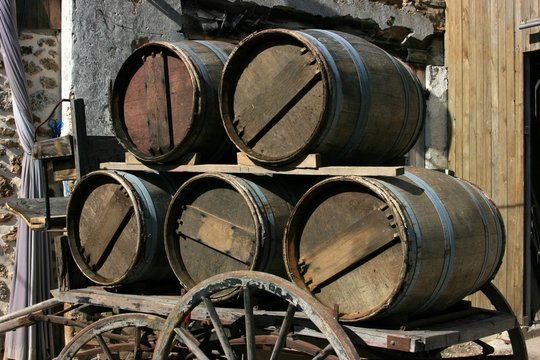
[(529, 24)]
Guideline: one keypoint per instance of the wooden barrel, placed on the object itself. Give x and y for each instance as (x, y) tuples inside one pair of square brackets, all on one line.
[(115, 227), (285, 94), (220, 222), (164, 102), (393, 246)]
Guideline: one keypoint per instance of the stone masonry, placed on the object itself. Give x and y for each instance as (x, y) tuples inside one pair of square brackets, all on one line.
[(41, 60)]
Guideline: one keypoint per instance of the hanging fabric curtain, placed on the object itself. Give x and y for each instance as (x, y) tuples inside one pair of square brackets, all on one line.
[(31, 274)]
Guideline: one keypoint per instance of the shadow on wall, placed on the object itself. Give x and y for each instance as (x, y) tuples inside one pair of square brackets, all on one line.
[(220, 19)]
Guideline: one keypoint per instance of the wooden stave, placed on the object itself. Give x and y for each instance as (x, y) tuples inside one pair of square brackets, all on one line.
[(408, 300), (204, 61), (357, 124)]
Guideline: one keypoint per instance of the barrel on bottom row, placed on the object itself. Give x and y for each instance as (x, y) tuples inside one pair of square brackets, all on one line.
[(115, 227), (220, 222), (393, 246), (372, 247)]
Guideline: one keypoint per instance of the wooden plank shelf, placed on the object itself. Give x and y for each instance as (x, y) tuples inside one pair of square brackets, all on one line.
[(257, 170), (32, 211)]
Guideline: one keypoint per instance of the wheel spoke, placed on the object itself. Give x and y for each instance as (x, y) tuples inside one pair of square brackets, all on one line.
[(104, 347), (324, 352), (220, 332), (283, 331), (250, 323), (191, 343), (137, 344)]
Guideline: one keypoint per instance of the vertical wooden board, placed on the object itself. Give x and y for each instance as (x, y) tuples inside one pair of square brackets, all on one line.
[(453, 40), (476, 86), (55, 14), (134, 110), (467, 90), (182, 98), (515, 217), (157, 103)]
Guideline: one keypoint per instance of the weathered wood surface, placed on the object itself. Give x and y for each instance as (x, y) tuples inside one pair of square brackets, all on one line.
[(477, 325), (244, 169), (346, 242), (287, 93), (53, 148), (32, 211), (164, 102), (226, 223)]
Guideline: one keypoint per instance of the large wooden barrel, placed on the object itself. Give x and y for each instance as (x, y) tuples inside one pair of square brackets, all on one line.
[(220, 222), (286, 93), (164, 102), (115, 227), (393, 246)]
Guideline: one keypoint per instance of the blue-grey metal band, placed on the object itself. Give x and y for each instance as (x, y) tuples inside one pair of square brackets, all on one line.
[(215, 49), (494, 213), (487, 243), (404, 74), (337, 90), (363, 81), (414, 244), (449, 238)]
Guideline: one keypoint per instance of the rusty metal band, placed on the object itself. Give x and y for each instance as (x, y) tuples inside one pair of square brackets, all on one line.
[(196, 60), (149, 209), (337, 89), (215, 49), (449, 239), (363, 81)]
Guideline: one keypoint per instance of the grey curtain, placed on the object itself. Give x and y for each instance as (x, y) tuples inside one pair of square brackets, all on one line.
[(31, 276)]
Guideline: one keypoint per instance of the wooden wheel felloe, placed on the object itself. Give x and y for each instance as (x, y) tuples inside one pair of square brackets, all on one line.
[(299, 304), (116, 337)]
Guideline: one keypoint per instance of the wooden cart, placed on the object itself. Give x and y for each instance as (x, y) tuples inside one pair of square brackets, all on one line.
[(272, 318)]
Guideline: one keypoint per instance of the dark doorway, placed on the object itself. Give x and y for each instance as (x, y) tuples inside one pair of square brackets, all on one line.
[(532, 185)]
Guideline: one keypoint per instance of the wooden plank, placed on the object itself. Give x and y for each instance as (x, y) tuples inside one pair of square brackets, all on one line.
[(60, 147), (309, 161), (117, 209), (513, 288), (483, 324), (368, 235), (453, 39), (288, 87), (55, 14), (32, 211), (151, 304), (239, 169), (157, 104), (216, 233), (466, 92)]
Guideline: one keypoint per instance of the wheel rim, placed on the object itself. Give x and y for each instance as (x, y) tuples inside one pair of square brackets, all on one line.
[(299, 301), (127, 334)]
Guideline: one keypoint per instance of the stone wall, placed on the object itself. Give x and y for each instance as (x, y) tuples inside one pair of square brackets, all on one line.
[(41, 61)]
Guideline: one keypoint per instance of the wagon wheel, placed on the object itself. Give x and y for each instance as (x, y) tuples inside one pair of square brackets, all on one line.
[(517, 341), (244, 344), (125, 336)]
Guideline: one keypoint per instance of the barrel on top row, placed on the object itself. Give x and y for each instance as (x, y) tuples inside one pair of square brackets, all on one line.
[(283, 94)]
